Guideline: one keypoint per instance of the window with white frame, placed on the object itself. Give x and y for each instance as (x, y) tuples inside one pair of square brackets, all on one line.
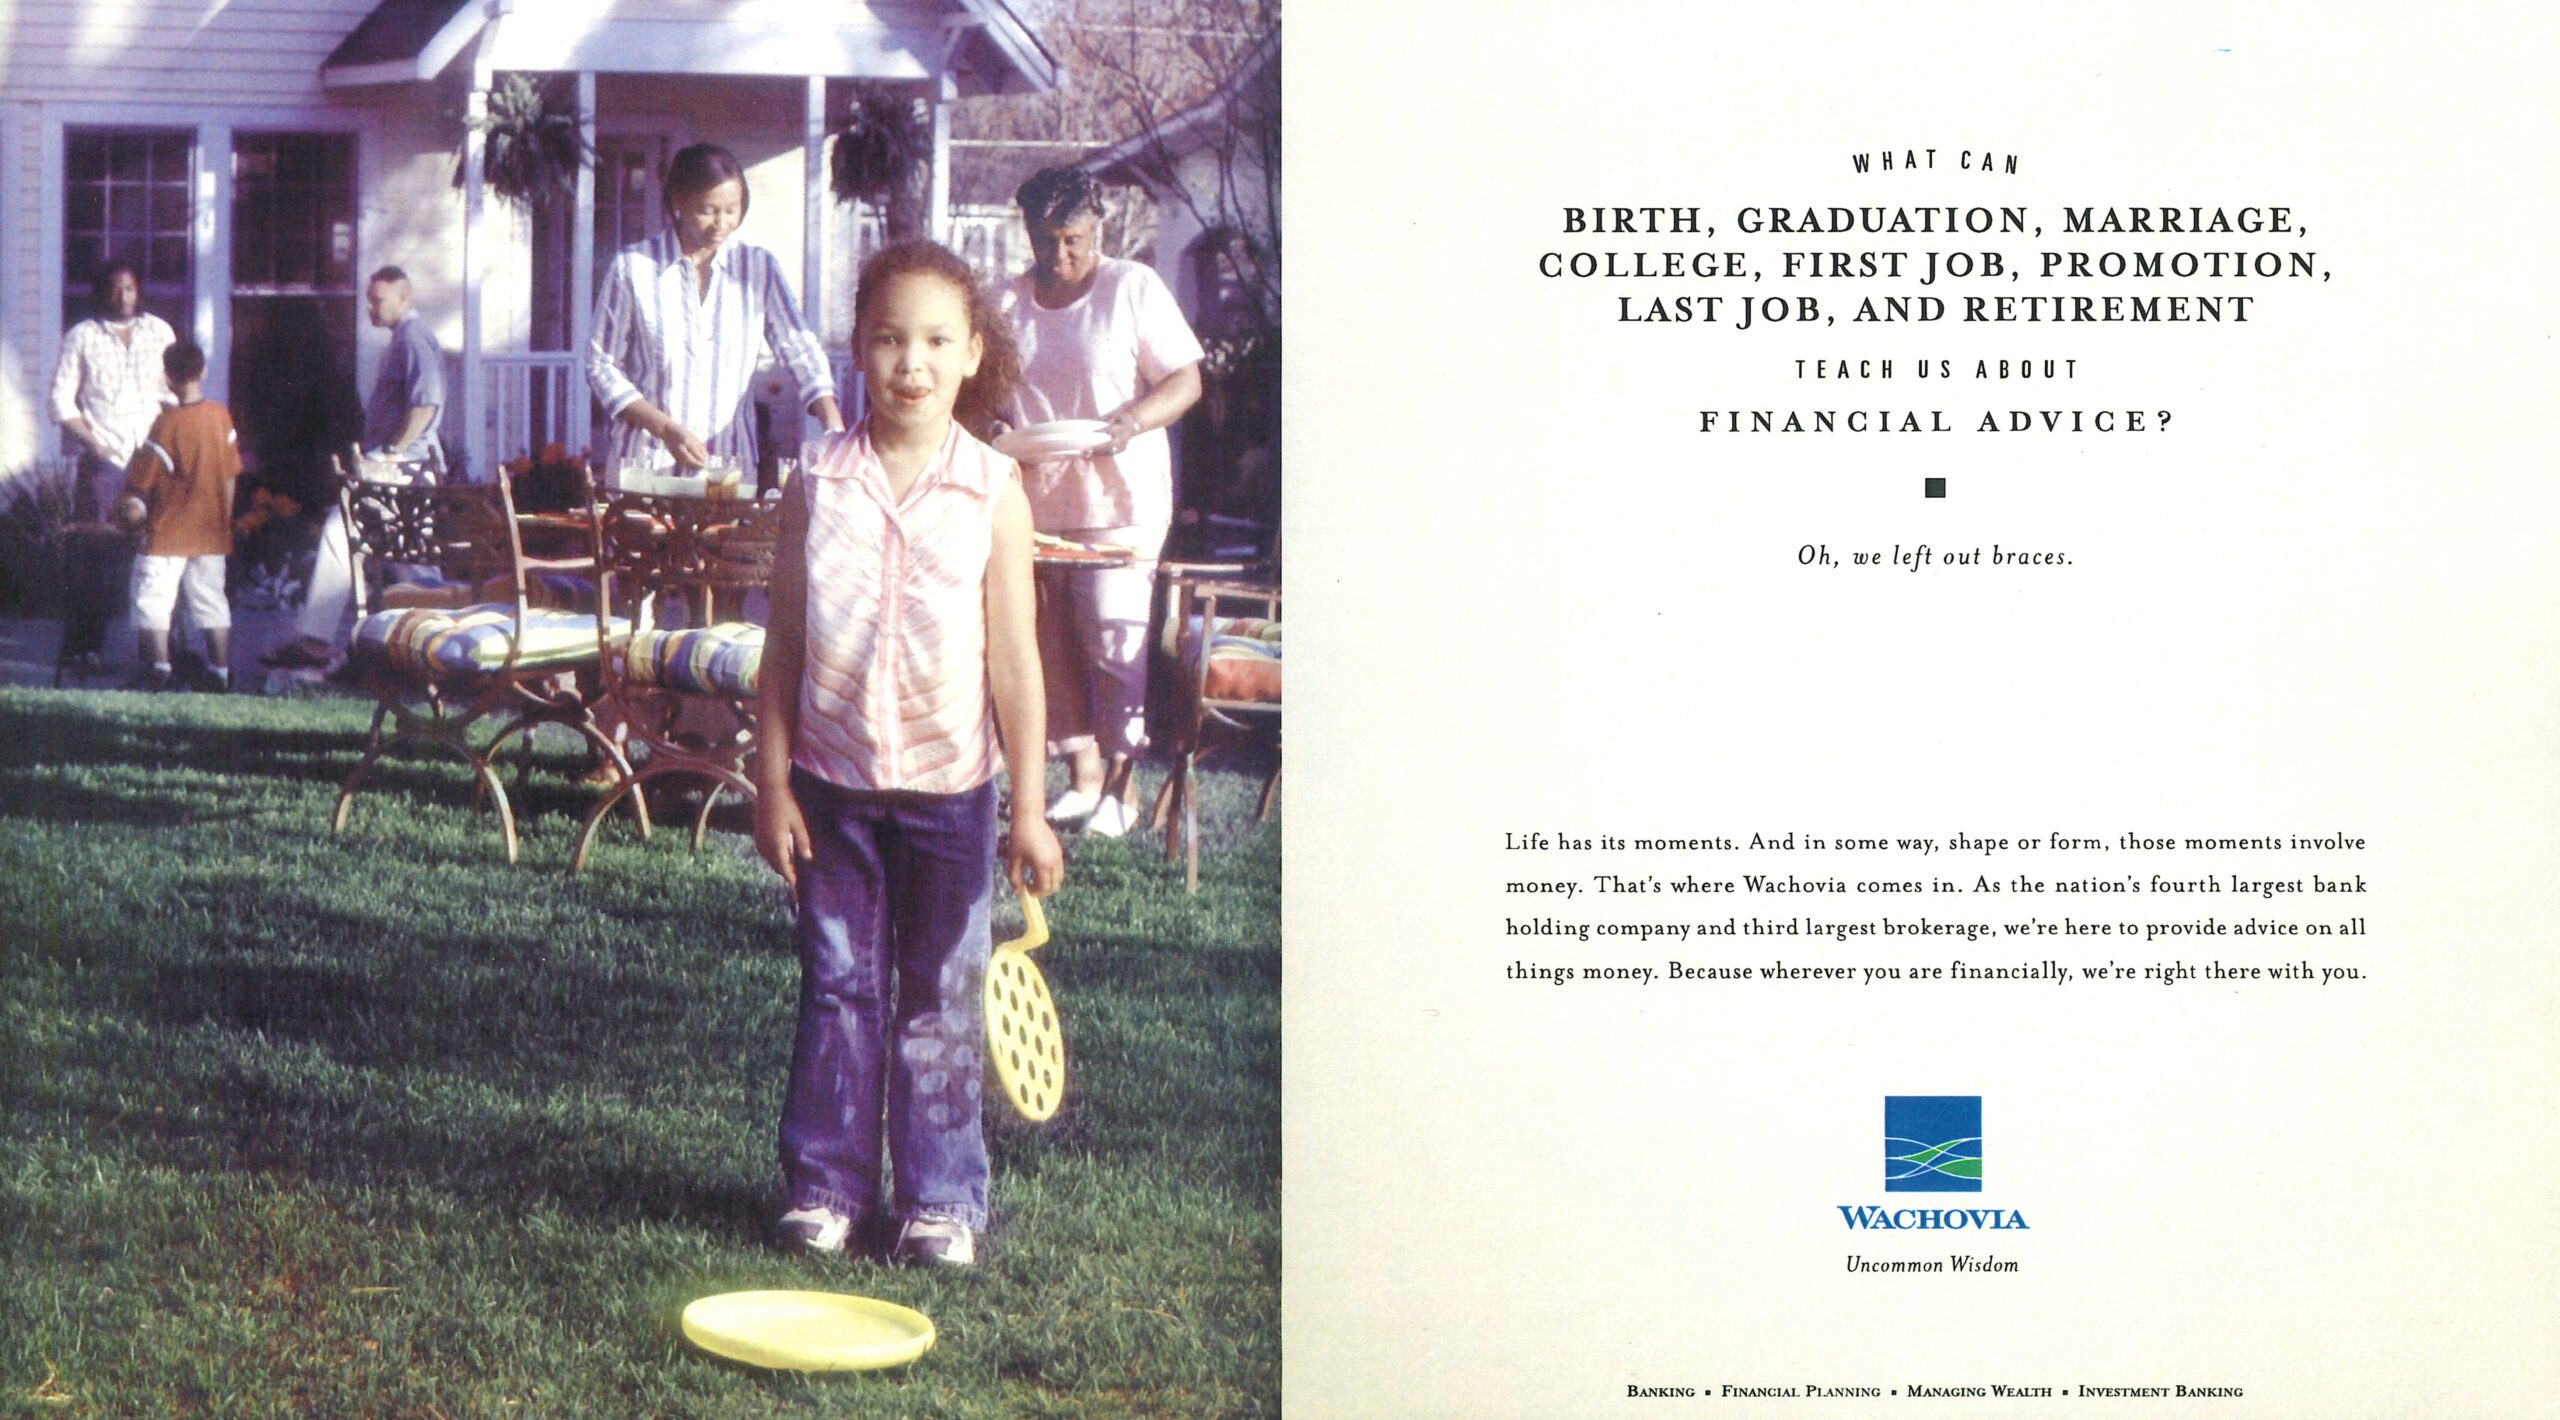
[(293, 214), (125, 197)]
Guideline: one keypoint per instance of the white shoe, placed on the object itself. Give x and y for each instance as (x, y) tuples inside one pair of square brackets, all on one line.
[(936, 1240), (817, 1229), (1074, 806), (1111, 819)]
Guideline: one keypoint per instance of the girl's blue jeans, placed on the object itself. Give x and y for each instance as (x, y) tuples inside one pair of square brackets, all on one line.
[(893, 953)]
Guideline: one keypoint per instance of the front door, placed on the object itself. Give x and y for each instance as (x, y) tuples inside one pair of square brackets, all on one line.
[(626, 211), (627, 205), (627, 167), (293, 306)]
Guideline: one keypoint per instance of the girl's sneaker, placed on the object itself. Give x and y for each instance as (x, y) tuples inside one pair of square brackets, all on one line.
[(937, 1240), (817, 1229)]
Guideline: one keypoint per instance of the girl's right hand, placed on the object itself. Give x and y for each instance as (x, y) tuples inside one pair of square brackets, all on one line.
[(782, 836), (1033, 861)]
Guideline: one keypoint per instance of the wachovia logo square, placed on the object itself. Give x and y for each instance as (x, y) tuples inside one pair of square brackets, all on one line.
[(1933, 1143)]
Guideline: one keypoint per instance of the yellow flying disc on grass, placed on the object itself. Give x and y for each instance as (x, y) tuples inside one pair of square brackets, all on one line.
[(1023, 1039), (808, 1331)]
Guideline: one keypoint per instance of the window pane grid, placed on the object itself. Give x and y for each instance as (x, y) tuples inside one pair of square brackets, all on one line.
[(293, 213), (126, 199)]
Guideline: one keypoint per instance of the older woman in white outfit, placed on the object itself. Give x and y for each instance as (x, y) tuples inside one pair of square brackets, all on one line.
[(1101, 338)]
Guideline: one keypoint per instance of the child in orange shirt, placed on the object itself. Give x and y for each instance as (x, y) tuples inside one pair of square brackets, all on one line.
[(178, 491)]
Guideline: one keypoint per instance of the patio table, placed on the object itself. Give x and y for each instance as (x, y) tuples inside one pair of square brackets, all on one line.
[(1047, 551)]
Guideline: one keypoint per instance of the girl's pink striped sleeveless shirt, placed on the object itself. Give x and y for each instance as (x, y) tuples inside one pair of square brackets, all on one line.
[(895, 692)]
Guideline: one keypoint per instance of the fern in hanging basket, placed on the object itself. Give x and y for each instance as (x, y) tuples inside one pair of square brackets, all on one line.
[(885, 135), (532, 147)]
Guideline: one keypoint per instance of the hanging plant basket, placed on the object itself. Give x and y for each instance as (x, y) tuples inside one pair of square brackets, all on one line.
[(532, 147), (886, 135)]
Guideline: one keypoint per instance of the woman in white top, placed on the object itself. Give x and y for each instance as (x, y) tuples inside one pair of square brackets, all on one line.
[(681, 320), (1101, 338)]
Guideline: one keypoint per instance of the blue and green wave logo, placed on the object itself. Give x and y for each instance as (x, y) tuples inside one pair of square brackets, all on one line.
[(1933, 1143)]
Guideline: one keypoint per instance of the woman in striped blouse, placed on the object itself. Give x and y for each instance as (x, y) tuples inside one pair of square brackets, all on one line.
[(681, 320)]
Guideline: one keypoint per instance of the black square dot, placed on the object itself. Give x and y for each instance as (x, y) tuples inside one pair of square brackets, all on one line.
[(1933, 488)]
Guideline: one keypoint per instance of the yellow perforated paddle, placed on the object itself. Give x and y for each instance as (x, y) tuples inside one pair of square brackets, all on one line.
[(1024, 1042)]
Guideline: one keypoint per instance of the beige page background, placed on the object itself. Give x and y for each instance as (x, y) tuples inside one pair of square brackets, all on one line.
[(1528, 597)]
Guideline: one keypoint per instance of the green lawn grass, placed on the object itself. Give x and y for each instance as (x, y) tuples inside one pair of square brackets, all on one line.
[(379, 1125)]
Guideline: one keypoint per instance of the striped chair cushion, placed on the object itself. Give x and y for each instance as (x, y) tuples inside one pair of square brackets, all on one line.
[(431, 641), (1252, 634), (709, 660), (1244, 659)]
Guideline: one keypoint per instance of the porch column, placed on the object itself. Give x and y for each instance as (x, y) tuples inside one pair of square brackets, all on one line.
[(582, 264), (937, 190), (211, 239), (19, 444), (813, 232), (41, 322), (475, 255)]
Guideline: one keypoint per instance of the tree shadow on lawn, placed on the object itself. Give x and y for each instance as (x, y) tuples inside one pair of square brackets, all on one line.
[(521, 1084), (54, 730), (514, 1155), (53, 734), (492, 1097), (450, 1063), (484, 1009), (50, 800)]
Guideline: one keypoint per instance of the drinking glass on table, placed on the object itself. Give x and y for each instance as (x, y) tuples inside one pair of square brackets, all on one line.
[(720, 479)]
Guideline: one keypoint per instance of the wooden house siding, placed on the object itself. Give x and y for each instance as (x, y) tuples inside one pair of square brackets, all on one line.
[(748, 73), (254, 52)]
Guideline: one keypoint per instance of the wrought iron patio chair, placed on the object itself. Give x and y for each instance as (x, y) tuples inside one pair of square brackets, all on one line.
[(685, 694), (437, 672)]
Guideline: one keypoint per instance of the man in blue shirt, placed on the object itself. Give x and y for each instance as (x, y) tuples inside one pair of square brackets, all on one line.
[(401, 418), (407, 405)]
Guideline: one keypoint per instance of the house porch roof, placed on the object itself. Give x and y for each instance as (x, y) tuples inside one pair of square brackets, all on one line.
[(980, 46), (1136, 159)]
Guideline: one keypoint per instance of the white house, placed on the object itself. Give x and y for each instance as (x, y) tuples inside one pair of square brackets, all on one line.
[(259, 158), (1213, 169)]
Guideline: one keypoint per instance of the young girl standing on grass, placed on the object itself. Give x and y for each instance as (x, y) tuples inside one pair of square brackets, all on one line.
[(901, 625)]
